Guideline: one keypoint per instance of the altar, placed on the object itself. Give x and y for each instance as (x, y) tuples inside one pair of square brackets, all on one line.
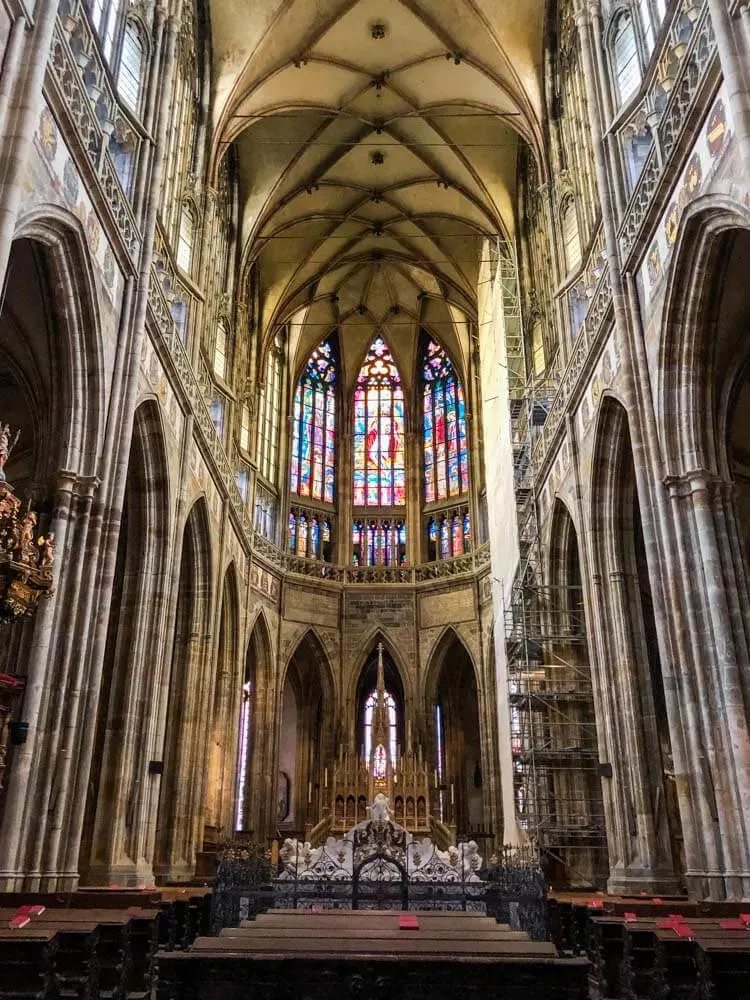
[(357, 778), (380, 865)]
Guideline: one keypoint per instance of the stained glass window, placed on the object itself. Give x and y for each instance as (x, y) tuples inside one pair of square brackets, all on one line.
[(379, 463), (243, 753), (448, 535), (245, 427), (221, 350), (310, 535), (186, 238), (390, 707), (265, 512), (314, 427), (379, 543), (446, 458), (268, 416), (130, 71)]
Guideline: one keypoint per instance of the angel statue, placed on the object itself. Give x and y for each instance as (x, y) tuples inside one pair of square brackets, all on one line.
[(380, 810), (46, 550)]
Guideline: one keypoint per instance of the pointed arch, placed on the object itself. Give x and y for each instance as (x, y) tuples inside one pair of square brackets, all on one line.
[(379, 466), (124, 733), (305, 729), (461, 743), (260, 642), (633, 720), (312, 648), (566, 599), (222, 755), (562, 535), (368, 647), (254, 706), (58, 246), (179, 827), (687, 400), (437, 661), (364, 683)]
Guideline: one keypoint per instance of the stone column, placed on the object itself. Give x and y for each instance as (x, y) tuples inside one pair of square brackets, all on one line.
[(643, 432), (21, 81), (731, 23), (35, 797), (722, 735), (11, 688)]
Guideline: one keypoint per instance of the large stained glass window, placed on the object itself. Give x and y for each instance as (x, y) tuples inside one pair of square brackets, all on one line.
[(448, 534), (314, 427), (379, 543), (268, 416), (379, 465), (390, 708), (446, 457)]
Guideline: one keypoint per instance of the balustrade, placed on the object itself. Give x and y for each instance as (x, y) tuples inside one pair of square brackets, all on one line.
[(110, 135), (681, 70)]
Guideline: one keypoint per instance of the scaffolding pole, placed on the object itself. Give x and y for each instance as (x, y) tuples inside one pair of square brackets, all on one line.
[(557, 780)]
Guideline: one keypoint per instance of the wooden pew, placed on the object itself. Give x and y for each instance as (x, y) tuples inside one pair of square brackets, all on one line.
[(27, 962), (368, 934)]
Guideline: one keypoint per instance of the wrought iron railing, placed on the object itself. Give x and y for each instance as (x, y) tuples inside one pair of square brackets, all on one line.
[(513, 891)]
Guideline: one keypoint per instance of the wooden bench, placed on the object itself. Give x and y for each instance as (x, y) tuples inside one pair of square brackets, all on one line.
[(27, 961), (340, 953)]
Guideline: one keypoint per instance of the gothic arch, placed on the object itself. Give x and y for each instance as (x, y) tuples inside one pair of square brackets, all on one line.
[(59, 247), (563, 533), (260, 641), (222, 753), (645, 848), (365, 683), (687, 400), (310, 642), (368, 646), (460, 742), (179, 826), (254, 718), (436, 661), (113, 842), (305, 735)]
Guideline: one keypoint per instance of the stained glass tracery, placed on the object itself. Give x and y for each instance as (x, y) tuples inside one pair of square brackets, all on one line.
[(379, 462), (313, 427), (446, 460), (390, 707)]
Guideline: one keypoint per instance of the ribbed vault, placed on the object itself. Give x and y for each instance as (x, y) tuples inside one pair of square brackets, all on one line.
[(377, 149)]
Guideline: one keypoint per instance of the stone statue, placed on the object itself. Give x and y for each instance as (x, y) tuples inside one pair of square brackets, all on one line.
[(6, 446), (380, 811), (25, 547), (46, 550)]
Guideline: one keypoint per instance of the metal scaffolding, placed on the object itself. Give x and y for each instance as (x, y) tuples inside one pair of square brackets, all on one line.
[(553, 726)]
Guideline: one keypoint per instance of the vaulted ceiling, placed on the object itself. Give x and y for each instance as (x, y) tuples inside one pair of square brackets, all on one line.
[(377, 148)]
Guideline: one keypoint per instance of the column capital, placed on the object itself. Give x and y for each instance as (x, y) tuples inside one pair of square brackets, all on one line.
[(698, 481)]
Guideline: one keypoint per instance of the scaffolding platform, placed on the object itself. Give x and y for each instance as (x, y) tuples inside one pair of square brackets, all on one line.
[(557, 775)]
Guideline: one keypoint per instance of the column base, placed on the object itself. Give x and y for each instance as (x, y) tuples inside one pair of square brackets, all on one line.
[(179, 874), (38, 881), (637, 882), (129, 876), (718, 886)]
